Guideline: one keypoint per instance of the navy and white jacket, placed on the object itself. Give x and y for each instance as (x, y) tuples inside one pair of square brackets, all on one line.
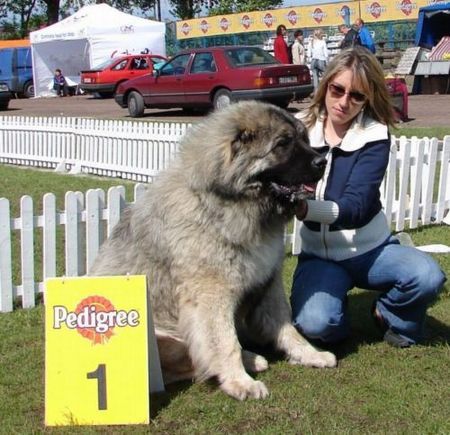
[(346, 219)]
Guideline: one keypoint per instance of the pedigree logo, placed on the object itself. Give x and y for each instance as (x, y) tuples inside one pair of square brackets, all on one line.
[(94, 318), (406, 6), (224, 24), (269, 20), (246, 21), (344, 12), (204, 26), (318, 15), (292, 17), (375, 9), (186, 29)]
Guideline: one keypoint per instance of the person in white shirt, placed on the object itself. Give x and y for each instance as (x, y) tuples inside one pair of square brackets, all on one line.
[(319, 56), (298, 49)]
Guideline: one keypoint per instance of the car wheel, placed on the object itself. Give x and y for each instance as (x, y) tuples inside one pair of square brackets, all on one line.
[(222, 98), (4, 106), (28, 90), (136, 105)]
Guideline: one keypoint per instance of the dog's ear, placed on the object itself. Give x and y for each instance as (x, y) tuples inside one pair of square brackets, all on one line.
[(302, 132), (243, 137)]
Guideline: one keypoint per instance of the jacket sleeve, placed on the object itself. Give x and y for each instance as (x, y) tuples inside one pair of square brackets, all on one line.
[(356, 205), (362, 191)]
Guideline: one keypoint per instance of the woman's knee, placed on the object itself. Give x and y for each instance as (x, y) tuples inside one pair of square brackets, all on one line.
[(320, 324), (429, 279)]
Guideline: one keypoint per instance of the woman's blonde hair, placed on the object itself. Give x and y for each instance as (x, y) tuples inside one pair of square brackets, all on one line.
[(368, 76), (318, 33)]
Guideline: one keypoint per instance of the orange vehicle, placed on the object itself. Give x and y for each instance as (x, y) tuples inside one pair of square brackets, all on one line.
[(105, 78)]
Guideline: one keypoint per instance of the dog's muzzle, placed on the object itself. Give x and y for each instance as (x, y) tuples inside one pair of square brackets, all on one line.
[(293, 193)]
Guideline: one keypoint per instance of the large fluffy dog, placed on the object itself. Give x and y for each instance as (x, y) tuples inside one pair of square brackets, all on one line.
[(209, 235)]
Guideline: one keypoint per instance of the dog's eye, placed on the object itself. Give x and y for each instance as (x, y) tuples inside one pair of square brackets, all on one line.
[(283, 142)]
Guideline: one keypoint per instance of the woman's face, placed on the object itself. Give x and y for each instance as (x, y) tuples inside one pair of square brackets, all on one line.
[(343, 100)]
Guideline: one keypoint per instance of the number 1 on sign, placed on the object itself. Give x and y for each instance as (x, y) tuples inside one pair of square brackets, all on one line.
[(100, 374)]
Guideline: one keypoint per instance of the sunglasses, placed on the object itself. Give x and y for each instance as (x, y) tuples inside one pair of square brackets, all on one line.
[(337, 91)]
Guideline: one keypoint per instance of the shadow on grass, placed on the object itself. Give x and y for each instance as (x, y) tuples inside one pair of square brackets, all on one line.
[(159, 401), (363, 332)]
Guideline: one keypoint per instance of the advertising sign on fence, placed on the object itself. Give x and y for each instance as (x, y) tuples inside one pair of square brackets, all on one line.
[(97, 351)]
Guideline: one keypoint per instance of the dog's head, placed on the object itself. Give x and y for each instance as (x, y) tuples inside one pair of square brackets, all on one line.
[(252, 149)]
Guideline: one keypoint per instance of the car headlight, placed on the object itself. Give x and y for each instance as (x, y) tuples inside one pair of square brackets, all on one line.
[(3, 87)]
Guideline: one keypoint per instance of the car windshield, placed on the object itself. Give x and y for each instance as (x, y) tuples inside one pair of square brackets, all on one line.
[(248, 56)]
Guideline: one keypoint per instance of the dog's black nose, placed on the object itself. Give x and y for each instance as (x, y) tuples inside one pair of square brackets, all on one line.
[(319, 162)]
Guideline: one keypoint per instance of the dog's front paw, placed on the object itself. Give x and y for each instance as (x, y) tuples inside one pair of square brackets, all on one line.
[(310, 357), (244, 388)]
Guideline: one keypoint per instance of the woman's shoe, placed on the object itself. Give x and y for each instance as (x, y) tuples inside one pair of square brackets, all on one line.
[(389, 336)]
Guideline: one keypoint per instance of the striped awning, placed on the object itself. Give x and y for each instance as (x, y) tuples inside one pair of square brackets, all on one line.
[(441, 49)]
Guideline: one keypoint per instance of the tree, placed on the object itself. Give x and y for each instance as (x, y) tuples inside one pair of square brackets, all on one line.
[(21, 9), (187, 9), (238, 6), (52, 10), (143, 6)]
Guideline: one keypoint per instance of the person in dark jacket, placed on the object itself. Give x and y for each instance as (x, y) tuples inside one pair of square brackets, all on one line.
[(346, 241), (59, 83), (351, 37), (280, 48)]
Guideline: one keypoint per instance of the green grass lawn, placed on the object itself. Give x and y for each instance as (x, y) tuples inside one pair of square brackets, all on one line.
[(374, 389)]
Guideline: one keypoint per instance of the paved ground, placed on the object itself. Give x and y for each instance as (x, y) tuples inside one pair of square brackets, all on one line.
[(424, 110)]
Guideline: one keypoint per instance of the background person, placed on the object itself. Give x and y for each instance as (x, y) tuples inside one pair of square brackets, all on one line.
[(60, 84), (319, 56), (345, 238), (298, 49), (351, 37), (364, 35), (280, 48)]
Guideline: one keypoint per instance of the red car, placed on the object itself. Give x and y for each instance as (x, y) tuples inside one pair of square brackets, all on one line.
[(215, 77), (105, 77)]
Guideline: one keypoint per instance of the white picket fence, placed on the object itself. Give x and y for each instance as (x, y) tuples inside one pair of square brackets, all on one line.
[(415, 191), (115, 148)]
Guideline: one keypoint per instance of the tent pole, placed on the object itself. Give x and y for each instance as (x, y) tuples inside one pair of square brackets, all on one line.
[(158, 10)]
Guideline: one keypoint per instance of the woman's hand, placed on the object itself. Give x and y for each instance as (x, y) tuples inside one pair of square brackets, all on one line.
[(301, 210)]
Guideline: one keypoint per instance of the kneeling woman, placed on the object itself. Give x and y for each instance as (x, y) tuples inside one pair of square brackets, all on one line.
[(346, 240)]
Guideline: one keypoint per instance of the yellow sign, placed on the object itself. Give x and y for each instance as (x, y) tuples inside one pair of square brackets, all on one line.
[(295, 17), (300, 17), (96, 355)]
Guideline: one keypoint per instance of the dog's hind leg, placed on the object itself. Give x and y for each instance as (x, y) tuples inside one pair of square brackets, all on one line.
[(173, 354), (253, 362), (271, 322), (206, 320)]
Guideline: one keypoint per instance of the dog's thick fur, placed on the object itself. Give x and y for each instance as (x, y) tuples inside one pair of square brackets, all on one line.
[(208, 234)]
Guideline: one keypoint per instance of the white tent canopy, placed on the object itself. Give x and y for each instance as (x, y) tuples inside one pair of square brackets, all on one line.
[(87, 38)]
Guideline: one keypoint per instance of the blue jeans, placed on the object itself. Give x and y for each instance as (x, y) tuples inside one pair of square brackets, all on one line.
[(408, 279)]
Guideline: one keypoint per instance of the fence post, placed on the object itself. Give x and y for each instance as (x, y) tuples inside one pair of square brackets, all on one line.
[(6, 287), (27, 251)]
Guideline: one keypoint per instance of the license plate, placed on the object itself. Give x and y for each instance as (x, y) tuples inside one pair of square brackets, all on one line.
[(87, 80), (287, 79)]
